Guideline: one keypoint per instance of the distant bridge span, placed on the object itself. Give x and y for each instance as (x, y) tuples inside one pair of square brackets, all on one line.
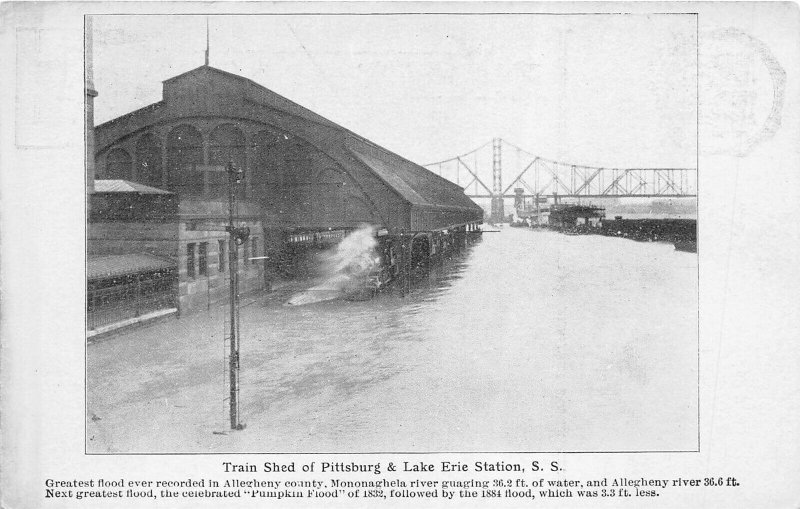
[(538, 177)]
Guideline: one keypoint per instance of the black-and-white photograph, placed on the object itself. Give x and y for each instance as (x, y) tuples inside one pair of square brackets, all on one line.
[(389, 232)]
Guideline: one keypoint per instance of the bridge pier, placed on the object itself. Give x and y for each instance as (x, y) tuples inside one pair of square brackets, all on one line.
[(498, 212)]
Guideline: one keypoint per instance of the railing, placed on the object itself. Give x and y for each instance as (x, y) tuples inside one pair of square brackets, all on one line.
[(129, 297), (318, 238)]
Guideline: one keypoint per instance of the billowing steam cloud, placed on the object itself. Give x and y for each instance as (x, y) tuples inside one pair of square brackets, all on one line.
[(354, 255), (344, 267)]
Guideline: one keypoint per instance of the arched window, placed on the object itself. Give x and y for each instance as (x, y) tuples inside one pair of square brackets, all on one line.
[(266, 161), (359, 210), (227, 146), (297, 164), (296, 181), (148, 161), (185, 160), (331, 195), (118, 164), (331, 175)]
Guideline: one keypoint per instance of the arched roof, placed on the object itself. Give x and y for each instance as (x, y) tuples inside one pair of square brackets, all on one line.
[(207, 91)]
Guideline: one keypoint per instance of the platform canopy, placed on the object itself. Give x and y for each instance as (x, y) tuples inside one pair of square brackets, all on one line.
[(125, 186)]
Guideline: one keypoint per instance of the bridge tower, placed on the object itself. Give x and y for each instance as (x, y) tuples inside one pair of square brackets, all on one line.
[(497, 181)]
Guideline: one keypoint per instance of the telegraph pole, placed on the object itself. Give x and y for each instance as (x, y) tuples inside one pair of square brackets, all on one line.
[(235, 237)]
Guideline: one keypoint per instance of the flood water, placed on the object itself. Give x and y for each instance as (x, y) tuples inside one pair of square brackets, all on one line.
[(525, 341)]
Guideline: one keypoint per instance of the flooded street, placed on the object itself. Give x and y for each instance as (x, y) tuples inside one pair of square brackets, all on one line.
[(526, 341)]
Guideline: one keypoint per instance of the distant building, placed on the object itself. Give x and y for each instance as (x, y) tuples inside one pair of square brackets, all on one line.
[(303, 175)]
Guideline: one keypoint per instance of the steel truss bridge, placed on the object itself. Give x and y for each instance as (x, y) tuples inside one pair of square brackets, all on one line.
[(538, 177)]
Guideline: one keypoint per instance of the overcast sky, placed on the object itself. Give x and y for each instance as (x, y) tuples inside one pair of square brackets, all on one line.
[(600, 90)]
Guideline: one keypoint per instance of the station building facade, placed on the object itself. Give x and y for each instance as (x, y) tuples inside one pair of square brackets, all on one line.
[(302, 175)]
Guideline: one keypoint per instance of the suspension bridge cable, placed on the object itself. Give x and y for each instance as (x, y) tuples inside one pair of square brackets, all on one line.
[(583, 166), (456, 157)]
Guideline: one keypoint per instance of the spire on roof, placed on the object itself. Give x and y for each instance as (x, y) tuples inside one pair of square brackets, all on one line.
[(207, 41)]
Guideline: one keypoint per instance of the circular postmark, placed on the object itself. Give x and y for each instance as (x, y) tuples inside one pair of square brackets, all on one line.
[(742, 88)]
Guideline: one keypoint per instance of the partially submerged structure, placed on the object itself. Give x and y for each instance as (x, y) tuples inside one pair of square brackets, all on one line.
[(306, 182), (569, 215)]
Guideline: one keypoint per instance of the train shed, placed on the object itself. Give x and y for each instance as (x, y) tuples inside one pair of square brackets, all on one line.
[(304, 177)]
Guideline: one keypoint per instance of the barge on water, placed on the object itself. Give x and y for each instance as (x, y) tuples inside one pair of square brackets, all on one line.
[(577, 219), (678, 231)]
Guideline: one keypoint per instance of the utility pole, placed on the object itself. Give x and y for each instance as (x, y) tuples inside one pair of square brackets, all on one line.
[(237, 236)]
